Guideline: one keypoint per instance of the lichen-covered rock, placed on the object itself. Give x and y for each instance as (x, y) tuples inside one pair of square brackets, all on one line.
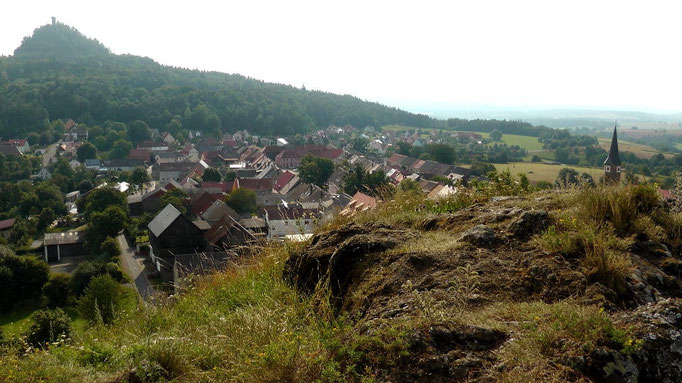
[(529, 223), (480, 236)]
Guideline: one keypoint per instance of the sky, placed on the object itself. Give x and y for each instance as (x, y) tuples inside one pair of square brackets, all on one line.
[(411, 54)]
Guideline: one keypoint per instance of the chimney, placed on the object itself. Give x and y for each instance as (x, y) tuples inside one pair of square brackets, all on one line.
[(54, 20)]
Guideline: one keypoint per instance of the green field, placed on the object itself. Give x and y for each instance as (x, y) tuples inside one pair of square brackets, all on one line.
[(531, 144), (545, 172)]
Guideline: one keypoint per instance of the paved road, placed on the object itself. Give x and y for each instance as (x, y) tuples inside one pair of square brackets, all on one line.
[(134, 269), (49, 153)]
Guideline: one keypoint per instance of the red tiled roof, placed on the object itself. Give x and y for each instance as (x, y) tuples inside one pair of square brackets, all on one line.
[(666, 194), (139, 154), (253, 184), (283, 180), (17, 142), (6, 224), (223, 186), (204, 202)]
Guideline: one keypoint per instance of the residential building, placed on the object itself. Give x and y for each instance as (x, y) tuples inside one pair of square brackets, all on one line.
[(171, 233), (6, 226), (289, 219)]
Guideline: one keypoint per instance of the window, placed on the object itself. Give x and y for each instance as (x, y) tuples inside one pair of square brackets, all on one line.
[(307, 222), (286, 223), (618, 169), (607, 168)]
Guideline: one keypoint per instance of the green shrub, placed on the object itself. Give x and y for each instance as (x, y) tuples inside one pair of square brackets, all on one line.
[(49, 326), (109, 248), (100, 303), (21, 277), (57, 290), (89, 269)]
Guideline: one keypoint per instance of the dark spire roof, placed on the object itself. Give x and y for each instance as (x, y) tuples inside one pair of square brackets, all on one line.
[(614, 157)]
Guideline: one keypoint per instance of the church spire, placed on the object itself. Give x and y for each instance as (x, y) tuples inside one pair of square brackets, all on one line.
[(612, 165)]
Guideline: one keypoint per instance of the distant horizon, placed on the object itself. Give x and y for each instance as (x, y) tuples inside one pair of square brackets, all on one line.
[(526, 56)]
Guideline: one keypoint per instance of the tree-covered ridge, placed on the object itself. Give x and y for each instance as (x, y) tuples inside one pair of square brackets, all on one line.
[(59, 73)]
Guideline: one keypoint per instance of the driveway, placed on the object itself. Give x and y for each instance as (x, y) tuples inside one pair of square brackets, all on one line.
[(132, 265), (67, 265)]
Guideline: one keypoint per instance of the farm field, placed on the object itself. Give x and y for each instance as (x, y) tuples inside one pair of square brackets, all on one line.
[(545, 172), (529, 143), (639, 150)]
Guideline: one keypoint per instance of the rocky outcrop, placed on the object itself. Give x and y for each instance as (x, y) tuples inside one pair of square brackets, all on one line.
[(529, 223), (480, 236)]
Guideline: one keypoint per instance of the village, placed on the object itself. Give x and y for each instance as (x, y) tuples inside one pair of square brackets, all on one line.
[(204, 171)]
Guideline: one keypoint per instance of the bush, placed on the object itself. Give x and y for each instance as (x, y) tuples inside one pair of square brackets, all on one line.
[(619, 205), (20, 277), (100, 303), (49, 326), (110, 248), (88, 270), (57, 290)]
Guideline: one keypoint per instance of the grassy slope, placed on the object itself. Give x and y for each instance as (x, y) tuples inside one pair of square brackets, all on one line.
[(248, 325), (17, 322)]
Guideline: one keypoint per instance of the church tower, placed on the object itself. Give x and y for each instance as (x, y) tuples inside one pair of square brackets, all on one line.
[(612, 165)]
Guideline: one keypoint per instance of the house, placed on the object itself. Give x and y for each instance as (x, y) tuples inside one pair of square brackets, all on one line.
[(359, 203), (285, 179), (75, 133), (10, 151), (227, 233), (202, 200), (121, 165), (256, 225), (291, 158), (93, 164), (170, 233), (68, 123), (272, 151), (145, 203), (140, 155), (289, 219), (217, 211), (441, 191), (43, 174), (21, 144), (255, 184), (6, 227), (153, 146), (172, 171), (400, 162), (72, 196), (167, 138), (59, 245), (169, 157)]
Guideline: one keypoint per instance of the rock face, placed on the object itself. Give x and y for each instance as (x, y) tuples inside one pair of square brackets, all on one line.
[(480, 235), (365, 270)]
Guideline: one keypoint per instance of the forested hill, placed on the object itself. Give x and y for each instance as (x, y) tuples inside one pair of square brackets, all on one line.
[(59, 73)]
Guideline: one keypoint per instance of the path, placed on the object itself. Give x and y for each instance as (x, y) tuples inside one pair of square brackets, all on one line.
[(132, 267)]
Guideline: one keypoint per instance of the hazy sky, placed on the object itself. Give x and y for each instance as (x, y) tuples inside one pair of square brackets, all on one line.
[(601, 54)]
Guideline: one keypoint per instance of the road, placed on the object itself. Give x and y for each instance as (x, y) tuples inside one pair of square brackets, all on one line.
[(132, 267), (50, 152)]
